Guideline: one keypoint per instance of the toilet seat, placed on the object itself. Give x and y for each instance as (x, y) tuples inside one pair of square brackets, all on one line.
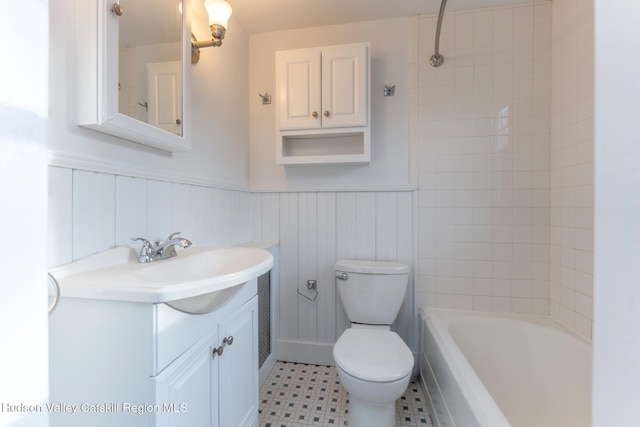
[(373, 355)]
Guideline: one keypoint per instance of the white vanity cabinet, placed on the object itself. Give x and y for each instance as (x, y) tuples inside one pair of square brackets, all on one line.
[(220, 369), (187, 389), (124, 363), (323, 104)]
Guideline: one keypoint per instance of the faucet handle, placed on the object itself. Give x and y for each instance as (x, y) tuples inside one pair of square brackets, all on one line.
[(145, 243), (146, 253)]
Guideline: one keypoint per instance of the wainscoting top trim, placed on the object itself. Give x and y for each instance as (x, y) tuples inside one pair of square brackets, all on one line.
[(377, 188), (85, 163)]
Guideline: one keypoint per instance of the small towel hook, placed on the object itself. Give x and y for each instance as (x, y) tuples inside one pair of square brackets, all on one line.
[(266, 98), (389, 90)]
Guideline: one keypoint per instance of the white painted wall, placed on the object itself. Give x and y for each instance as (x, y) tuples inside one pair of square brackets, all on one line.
[(389, 115), (616, 335), (23, 185)]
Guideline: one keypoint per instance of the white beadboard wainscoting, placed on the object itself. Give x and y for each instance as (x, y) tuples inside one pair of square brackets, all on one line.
[(93, 211), (314, 230)]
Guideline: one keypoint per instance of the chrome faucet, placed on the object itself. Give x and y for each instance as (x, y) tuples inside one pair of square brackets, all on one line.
[(167, 249), (150, 253)]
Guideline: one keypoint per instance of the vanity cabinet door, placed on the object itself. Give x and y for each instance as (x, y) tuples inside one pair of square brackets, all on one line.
[(238, 383), (186, 391)]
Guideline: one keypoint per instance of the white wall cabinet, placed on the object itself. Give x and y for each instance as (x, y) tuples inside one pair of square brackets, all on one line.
[(136, 364), (323, 105)]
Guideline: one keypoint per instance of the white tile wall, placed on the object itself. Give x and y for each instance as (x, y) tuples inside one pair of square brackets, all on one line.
[(502, 150), (480, 153), (90, 212), (572, 165)]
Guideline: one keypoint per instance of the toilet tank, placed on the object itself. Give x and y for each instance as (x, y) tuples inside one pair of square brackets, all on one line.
[(372, 292)]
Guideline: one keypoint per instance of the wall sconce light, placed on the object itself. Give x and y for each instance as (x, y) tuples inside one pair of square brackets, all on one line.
[(219, 12)]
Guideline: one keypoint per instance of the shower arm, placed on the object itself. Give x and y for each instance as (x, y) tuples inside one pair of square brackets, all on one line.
[(437, 59)]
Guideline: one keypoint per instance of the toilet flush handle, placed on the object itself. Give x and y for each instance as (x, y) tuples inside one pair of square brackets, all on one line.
[(343, 276)]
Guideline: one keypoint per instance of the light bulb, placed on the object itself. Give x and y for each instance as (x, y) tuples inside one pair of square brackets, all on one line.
[(219, 12)]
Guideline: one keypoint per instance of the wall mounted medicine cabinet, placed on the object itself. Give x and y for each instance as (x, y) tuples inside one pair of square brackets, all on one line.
[(133, 79), (323, 105)]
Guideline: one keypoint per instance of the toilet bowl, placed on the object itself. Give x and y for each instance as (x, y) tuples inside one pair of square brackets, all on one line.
[(373, 362), (375, 367)]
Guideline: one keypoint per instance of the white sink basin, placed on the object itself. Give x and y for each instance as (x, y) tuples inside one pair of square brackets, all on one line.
[(196, 281)]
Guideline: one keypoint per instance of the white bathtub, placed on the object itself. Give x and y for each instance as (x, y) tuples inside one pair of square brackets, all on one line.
[(500, 370)]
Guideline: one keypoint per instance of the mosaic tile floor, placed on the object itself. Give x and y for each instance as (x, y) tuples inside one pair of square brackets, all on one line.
[(300, 395)]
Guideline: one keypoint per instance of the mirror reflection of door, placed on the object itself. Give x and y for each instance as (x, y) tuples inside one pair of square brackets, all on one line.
[(164, 94), (150, 33)]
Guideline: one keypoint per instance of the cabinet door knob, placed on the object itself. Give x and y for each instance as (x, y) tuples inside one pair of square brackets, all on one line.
[(228, 340), (314, 114), (178, 121), (326, 113), (217, 351)]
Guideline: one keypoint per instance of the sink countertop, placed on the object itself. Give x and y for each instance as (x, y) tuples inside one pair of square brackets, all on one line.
[(115, 274)]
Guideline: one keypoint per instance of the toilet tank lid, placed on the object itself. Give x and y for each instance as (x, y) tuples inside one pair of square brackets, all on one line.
[(372, 267)]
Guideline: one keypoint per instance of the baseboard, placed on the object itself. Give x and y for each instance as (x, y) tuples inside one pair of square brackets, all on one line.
[(266, 368), (305, 352)]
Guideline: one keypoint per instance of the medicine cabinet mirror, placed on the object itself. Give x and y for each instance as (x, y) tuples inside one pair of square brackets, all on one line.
[(133, 71)]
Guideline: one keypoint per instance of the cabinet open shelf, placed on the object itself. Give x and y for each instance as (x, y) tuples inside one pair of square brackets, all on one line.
[(323, 101), (340, 147)]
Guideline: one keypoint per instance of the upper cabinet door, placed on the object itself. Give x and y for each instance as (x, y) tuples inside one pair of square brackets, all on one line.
[(299, 83), (324, 87), (344, 86)]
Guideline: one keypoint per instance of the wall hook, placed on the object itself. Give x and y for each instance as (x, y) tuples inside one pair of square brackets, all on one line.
[(266, 98), (389, 90)]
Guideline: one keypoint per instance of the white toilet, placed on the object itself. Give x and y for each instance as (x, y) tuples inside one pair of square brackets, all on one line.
[(374, 363)]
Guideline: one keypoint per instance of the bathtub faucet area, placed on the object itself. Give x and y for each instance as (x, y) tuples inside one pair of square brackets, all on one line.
[(151, 253)]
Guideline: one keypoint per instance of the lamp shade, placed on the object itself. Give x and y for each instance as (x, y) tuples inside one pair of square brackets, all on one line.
[(219, 12)]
